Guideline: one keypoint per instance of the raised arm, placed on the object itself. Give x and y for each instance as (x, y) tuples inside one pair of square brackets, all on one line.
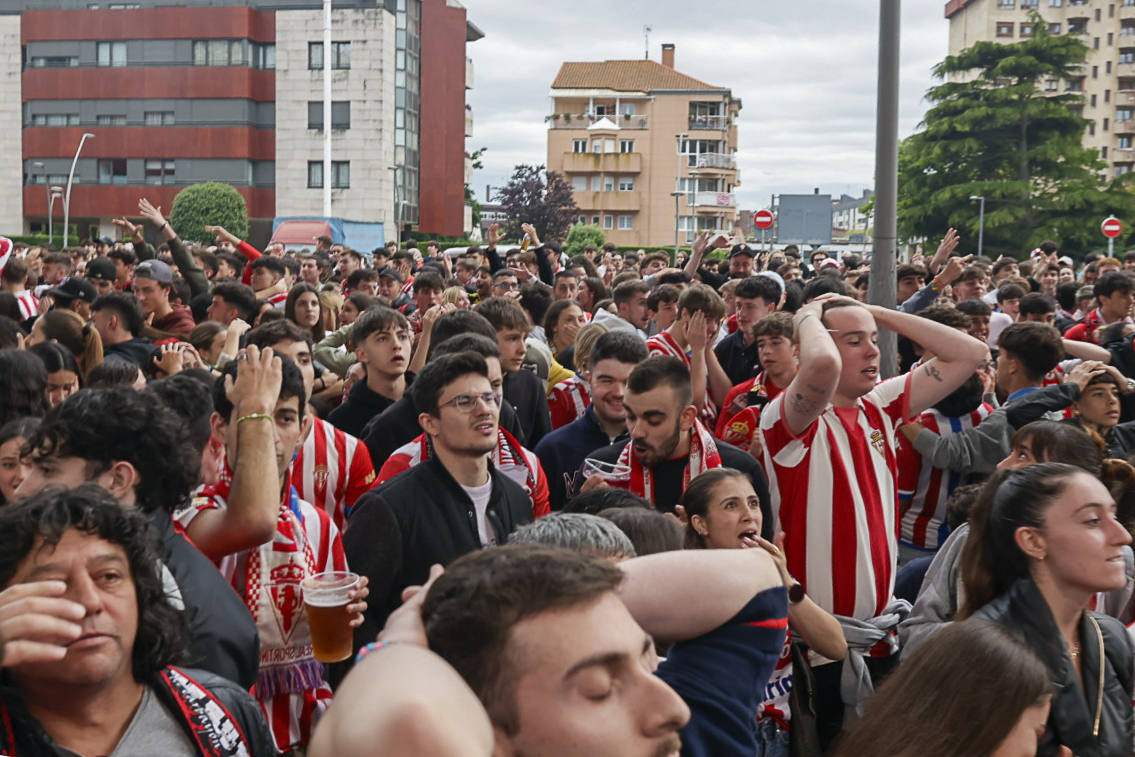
[(816, 380), (1086, 351), (193, 274), (699, 352)]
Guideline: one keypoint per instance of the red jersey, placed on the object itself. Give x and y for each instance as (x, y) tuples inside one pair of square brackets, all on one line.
[(664, 344), (332, 470), (741, 412), (568, 400)]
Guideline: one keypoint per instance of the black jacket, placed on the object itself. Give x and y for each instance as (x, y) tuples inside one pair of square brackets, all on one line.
[(362, 404), (1023, 612), (529, 395), (138, 351), (739, 362), (1120, 438), (222, 634), (418, 518)]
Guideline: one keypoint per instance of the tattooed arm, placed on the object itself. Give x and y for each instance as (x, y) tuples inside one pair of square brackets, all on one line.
[(811, 390)]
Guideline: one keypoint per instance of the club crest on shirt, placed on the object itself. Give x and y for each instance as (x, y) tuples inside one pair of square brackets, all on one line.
[(321, 475), (878, 442), (286, 599)]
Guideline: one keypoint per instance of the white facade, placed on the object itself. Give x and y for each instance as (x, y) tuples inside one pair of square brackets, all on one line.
[(368, 85), (11, 112)]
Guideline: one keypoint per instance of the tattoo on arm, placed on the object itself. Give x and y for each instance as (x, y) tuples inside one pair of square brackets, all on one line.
[(933, 372), (804, 405)]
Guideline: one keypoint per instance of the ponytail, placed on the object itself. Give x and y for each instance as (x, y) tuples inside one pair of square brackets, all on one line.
[(92, 353)]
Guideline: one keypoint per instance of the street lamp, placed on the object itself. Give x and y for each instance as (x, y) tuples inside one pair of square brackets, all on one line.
[(980, 222), (70, 179), (39, 164), (677, 191), (53, 193)]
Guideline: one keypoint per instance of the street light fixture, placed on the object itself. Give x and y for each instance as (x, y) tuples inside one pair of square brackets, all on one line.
[(53, 193), (980, 222), (39, 164), (70, 179), (677, 193)]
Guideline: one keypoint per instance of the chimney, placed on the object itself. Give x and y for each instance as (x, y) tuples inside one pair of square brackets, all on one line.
[(668, 54)]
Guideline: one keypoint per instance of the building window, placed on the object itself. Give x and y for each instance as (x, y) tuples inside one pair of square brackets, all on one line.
[(608, 183), (579, 183), (1050, 85), (1105, 124), (220, 52), (111, 119), (1055, 3), (159, 171), (1123, 114), (608, 222), (1054, 28), (596, 183), (626, 184), (1107, 95), (158, 118), (579, 145), (1006, 5), (340, 55), (625, 223), (597, 145), (112, 54), (55, 119), (264, 55), (1095, 72), (1127, 56), (594, 220), (340, 114), (1025, 30), (1093, 101), (340, 174), (1104, 153), (1029, 4), (1074, 85), (54, 61), (626, 145), (1123, 143), (1122, 169), (112, 171), (1005, 29)]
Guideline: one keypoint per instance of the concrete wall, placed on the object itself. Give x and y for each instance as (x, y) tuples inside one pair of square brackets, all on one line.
[(11, 145)]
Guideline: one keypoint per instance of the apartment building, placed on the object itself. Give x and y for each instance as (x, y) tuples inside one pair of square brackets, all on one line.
[(1107, 79), (650, 152), (183, 91)]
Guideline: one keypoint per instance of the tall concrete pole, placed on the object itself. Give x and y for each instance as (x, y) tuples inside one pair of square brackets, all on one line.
[(327, 108), (881, 289)]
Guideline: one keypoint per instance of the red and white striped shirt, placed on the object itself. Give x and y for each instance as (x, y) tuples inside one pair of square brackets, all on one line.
[(834, 494), (510, 457), (278, 300), (332, 470), (29, 305), (664, 344), (568, 400), (924, 489)]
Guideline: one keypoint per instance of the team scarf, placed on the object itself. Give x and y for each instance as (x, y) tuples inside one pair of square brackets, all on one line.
[(703, 456), (508, 456), (666, 344), (205, 718)]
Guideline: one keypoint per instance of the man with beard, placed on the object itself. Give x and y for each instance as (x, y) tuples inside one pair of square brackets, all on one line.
[(668, 445), (450, 504)]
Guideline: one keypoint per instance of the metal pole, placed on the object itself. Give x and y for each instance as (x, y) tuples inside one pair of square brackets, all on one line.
[(882, 289), (47, 191), (53, 194), (1111, 247), (327, 108), (676, 231), (70, 179), (980, 226)]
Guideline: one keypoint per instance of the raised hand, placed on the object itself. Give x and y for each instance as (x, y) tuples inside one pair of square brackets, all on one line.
[(37, 623), (132, 230), (151, 213), (259, 375), (492, 236)]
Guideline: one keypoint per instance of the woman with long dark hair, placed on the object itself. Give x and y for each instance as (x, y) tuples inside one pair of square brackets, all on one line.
[(303, 308), (1044, 543), (67, 328), (561, 323), (23, 386), (14, 466), (63, 375)]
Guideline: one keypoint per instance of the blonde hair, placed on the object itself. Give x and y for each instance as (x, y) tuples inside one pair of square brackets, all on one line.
[(331, 303), (585, 340), (453, 294)]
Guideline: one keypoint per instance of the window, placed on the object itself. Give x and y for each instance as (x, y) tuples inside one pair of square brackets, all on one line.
[(1123, 143), (1097, 14), (340, 55), (626, 184), (1110, 39), (1078, 27), (626, 145), (596, 183), (1107, 95), (1104, 155), (1093, 101), (1025, 30), (608, 183), (625, 223), (1105, 124), (113, 119), (594, 220), (1120, 170), (597, 145), (111, 54), (1054, 28), (579, 145), (112, 171), (236, 52), (159, 171), (608, 222), (608, 145), (1091, 128), (1095, 72), (1123, 114), (263, 55), (1006, 5), (158, 118), (579, 183), (1074, 85), (1029, 4), (340, 114), (1126, 56), (55, 119), (222, 52), (340, 174), (1055, 3), (54, 61), (627, 109), (1050, 85)]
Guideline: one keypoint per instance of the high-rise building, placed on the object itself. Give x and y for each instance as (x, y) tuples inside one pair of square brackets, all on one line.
[(1106, 81), (183, 91), (650, 152)]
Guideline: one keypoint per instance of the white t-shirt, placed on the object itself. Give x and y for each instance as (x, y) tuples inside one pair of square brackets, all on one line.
[(480, 496)]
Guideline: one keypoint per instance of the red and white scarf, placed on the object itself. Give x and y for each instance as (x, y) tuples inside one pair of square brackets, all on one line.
[(703, 456), (663, 343)]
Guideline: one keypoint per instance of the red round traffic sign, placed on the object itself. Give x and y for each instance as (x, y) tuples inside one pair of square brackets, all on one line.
[(1111, 227), (762, 219)]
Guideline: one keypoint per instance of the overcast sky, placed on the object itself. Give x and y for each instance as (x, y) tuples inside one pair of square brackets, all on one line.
[(805, 72)]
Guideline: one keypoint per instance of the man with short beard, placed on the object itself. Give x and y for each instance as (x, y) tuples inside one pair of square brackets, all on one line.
[(668, 445)]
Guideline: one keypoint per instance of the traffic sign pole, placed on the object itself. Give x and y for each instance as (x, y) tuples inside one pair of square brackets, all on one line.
[(1111, 228)]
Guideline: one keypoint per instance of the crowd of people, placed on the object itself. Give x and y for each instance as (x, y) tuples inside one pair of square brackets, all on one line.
[(608, 504)]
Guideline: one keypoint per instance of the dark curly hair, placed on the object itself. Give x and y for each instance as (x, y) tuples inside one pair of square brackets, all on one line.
[(42, 519), (104, 426), (23, 385)]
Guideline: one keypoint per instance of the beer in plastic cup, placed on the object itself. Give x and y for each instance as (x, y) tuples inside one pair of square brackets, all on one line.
[(325, 599)]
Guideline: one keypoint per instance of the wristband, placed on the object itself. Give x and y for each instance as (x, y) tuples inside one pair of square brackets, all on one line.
[(935, 286), (253, 417), (374, 646), (162, 227), (805, 317)]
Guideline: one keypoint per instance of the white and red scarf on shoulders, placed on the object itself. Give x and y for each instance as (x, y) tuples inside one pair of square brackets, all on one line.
[(703, 456)]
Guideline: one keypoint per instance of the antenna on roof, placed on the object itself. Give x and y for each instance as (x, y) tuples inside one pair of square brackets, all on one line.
[(646, 42)]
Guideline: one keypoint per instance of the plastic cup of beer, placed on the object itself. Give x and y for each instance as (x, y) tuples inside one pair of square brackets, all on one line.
[(325, 599)]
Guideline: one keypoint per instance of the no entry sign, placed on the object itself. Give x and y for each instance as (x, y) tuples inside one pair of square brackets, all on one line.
[(762, 219), (1111, 227)]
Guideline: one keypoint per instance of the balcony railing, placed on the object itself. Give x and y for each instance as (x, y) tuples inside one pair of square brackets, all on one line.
[(715, 200), (584, 120), (1125, 97), (1120, 155), (717, 160), (709, 122), (1124, 126)]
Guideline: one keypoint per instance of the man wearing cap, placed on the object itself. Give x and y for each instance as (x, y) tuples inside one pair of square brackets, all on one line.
[(75, 295), (740, 260), (102, 272), (153, 281), (390, 286)]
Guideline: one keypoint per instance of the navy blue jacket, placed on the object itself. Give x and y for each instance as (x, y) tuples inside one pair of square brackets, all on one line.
[(562, 453)]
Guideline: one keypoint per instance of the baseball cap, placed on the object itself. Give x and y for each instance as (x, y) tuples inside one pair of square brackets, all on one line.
[(102, 269), (390, 272), (741, 249), (73, 289), (829, 263), (154, 269)]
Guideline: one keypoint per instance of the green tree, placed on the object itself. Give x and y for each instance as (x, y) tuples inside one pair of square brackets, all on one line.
[(541, 198), (208, 204), (993, 132), (476, 164), (582, 235)]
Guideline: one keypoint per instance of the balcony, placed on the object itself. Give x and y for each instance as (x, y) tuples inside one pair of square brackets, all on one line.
[(1125, 97), (605, 162), (585, 121), (714, 200), (1123, 127), (608, 201), (1125, 69), (1126, 10), (468, 121), (468, 73), (717, 160), (1119, 155), (709, 122)]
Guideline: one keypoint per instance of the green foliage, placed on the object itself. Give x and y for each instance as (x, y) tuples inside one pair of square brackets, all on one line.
[(582, 235), (208, 204), (992, 132), (539, 197)]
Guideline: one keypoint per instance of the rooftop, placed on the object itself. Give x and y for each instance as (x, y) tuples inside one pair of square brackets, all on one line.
[(625, 76)]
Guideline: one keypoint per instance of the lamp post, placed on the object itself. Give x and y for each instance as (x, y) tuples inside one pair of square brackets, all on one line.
[(70, 179), (39, 164), (980, 222), (677, 193), (53, 193)]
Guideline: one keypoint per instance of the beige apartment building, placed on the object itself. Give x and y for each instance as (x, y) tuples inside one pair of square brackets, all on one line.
[(1107, 79), (649, 151)]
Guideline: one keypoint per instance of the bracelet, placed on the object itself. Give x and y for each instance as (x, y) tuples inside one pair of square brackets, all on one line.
[(374, 646), (805, 317), (163, 226), (935, 286), (254, 417)]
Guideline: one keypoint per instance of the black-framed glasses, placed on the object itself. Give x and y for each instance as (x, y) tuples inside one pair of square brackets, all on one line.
[(467, 402)]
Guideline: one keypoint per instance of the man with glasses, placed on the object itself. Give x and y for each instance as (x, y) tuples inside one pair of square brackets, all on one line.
[(451, 503), (505, 283)]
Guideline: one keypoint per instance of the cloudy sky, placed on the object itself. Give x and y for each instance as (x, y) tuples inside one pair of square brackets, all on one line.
[(805, 71)]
